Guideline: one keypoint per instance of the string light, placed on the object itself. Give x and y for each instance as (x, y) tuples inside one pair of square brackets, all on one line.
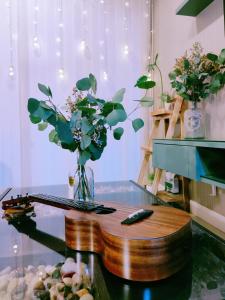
[(82, 46), (127, 4), (11, 71), (59, 40), (61, 73), (102, 57), (126, 50), (105, 76), (36, 40)]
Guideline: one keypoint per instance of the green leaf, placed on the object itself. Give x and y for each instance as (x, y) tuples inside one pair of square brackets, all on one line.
[(83, 157), (34, 119), (43, 113), (172, 75), (146, 101), (44, 105), (213, 57), (33, 105), (137, 124), (91, 99), (93, 83), (42, 126), (53, 136), (76, 117), (215, 86), (86, 126), (96, 152), (116, 116), (221, 58), (45, 90), (186, 64), (56, 274), (83, 84), (165, 98), (118, 132), (145, 83), (85, 142), (118, 97), (64, 132)]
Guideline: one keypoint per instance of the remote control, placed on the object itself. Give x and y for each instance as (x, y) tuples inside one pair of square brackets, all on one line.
[(137, 215)]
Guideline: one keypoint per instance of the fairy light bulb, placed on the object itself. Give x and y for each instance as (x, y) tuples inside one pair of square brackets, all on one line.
[(82, 46), (102, 1), (101, 43), (11, 71), (58, 39), (102, 57), (84, 12), (61, 73), (36, 8), (127, 4), (61, 25), (58, 53), (36, 43), (126, 50), (105, 76)]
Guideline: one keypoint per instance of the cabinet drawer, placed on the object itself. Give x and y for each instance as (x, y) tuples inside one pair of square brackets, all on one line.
[(176, 159)]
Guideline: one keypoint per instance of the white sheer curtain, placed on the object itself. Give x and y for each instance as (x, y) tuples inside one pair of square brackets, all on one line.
[(109, 38)]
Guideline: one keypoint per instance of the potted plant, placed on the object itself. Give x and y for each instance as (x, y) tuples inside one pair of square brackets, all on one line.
[(194, 77), (145, 82), (83, 126)]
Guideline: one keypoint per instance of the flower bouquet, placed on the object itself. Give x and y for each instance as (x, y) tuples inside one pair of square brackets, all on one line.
[(83, 125)]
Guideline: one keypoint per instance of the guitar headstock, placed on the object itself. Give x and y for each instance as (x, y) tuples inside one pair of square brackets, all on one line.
[(17, 201)]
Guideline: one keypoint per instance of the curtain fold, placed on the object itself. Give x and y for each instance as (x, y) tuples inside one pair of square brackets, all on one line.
[(56, 43)]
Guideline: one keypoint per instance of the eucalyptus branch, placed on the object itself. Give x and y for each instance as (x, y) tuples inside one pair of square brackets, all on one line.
[(55, 108)]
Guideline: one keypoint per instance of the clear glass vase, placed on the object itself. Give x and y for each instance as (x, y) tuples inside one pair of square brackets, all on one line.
[(194, 122), (84, 184)]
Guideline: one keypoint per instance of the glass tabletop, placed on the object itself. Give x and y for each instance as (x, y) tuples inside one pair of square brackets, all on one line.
[(39, 240)]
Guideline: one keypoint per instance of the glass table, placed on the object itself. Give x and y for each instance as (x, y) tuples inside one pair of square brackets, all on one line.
[(39, 240)]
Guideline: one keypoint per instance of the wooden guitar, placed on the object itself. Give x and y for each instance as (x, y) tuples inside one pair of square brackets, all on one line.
[(151, 249)]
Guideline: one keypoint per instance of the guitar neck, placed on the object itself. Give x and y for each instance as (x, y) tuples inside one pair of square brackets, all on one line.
[(55, 201)]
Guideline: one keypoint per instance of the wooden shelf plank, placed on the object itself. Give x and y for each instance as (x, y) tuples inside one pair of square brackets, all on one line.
[(169, 197), (192, 7)]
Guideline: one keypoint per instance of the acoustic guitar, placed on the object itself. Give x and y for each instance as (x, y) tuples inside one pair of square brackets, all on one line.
[(151, 249)]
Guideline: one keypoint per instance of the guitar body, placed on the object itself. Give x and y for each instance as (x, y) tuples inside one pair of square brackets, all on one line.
[(149, 250)]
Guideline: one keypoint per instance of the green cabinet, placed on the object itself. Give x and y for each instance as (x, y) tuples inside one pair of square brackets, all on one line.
[(200, 160)]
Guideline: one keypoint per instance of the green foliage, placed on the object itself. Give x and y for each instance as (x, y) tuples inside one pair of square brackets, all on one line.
[(137, 124), (84, 84), (42, 126), (146, 101), (145, 83), (118, 97), (197, 75), (118, 132), (45, 90), (85, 130), (93, 83)]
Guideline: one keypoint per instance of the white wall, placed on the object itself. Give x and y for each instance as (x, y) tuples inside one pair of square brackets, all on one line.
[(173, 35)]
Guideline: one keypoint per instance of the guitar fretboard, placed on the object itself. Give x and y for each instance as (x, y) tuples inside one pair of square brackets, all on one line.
[(64, 202)]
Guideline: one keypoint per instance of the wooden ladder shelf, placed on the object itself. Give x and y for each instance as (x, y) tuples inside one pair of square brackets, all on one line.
[(164, 124)]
